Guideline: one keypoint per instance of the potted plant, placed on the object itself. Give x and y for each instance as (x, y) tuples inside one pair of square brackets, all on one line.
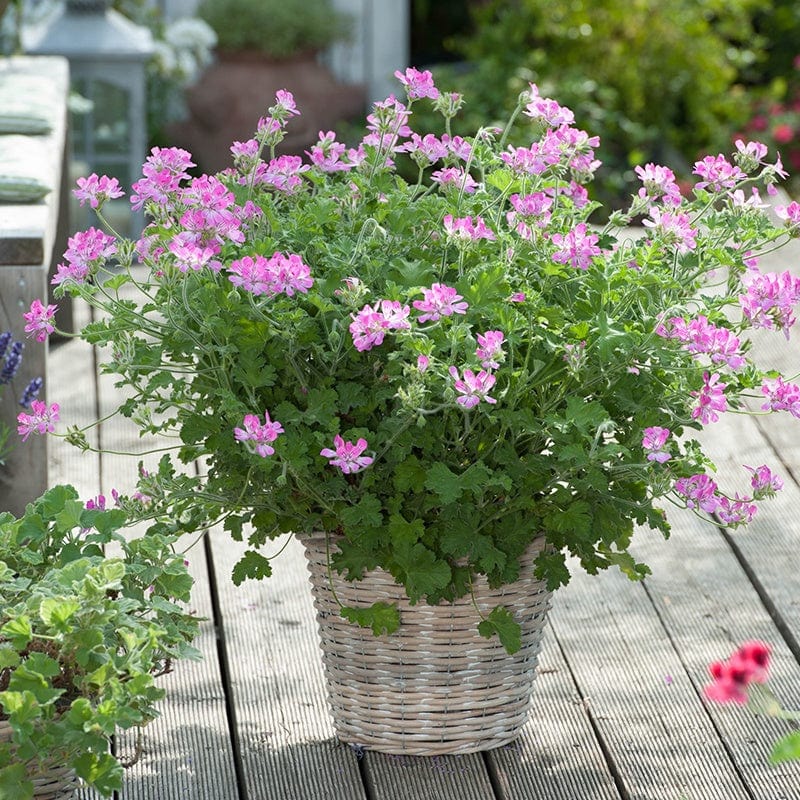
[(443, 387), (262, 46), (82, 638)]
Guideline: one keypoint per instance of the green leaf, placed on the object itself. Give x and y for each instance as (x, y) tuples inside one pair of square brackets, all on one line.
[(786, 749), (18, 632), (366, 513), (409, 476), (101, 771), (9, 657), (442, 480), (14, 783), (381, 617), (251, 565), (57, 612), (424, 573), (502, 623)]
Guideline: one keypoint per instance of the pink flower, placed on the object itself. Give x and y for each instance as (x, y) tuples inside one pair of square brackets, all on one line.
[(41, 421), (672, 229), (39, 320), (440, 301), (285, 105), (347, 456), (96, 190), (781, 396), (711, 399), (194, 257), (418, 84), (473, 388), (577, 247), (658, 183), (699, 491), (257, 437), (517, 297), (770, 299), (731, 678), (530, 211), (547, 111), (490, 349), (396, 314), (327, 154), (736, 511), (789, 214), (455, 177), (368, 328), (701, 337), (764, 482), (86, 252), (422, 363), (717, 173), (466, 229), (653, 441), (252, 274), (271, 276)]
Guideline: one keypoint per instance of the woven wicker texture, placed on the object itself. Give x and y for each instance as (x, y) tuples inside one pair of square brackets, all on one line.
[(436, 686), (53, 783)]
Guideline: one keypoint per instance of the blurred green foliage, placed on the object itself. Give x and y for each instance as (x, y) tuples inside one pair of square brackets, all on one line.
[(657, 80)]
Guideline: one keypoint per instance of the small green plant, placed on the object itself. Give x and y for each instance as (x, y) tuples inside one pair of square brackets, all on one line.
[(276, 28), (82, 636)]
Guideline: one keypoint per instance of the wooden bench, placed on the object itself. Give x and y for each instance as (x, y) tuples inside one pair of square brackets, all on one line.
[(32, 240)]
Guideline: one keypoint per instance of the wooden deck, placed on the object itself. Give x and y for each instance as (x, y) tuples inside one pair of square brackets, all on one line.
[(617, 712)]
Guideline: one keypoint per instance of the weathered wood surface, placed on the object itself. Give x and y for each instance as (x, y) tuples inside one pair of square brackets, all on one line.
[(28, 236), (618, 712)]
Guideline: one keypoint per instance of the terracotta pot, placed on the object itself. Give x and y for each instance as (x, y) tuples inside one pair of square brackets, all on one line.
[(234, 92)]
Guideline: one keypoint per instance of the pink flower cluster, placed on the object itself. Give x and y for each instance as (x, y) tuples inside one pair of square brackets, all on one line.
[(546, 111), (370, 325), (418, 84), (653, 442), (718, 173), (467, 229), (96, 190), (710, 399), (86, 252), (658, 183), (440, 301), (258, 437), (39, 320), (163, 172), (672, 229), (456, 178), (770, 299), (531, 211), (700, 337), (731, 678), (347, 456), (701, 492), (472, 388), (576, 247), (328, 155), (271, 276), (490, 349), (41, 421), (781, 396)]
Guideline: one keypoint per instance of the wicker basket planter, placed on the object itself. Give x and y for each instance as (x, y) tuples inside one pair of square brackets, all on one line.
[(436, 686), (54, 783)]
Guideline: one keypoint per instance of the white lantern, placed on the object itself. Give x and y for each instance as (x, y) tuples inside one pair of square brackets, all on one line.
[(107, 55)]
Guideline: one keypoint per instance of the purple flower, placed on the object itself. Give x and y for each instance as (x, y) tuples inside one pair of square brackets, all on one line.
[(653, 441), (736, 511), (41, 421), (257, 437), (347, 456), (473, 388), (31, 392), (11, 364)]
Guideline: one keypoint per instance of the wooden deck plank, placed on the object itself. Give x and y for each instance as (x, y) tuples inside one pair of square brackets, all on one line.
[(558, 756), (709, 607), (285, 735), (660, 740)]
